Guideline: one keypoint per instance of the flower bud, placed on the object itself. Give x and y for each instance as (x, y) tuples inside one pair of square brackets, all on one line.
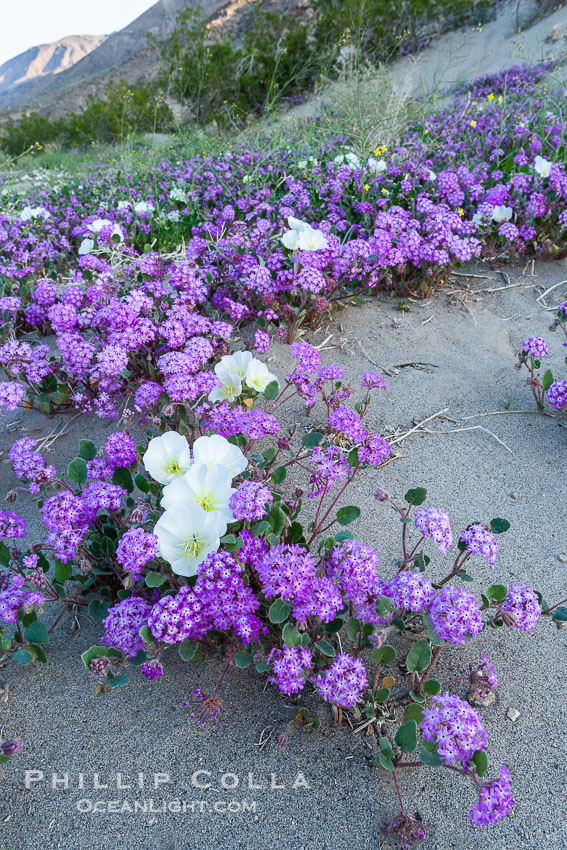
[(381, 495), (138, 515), (11, 496), (168, 410), (11, 747), (36, 548)]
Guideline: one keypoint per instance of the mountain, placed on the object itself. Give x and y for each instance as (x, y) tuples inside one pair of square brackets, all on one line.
[(125, 55), (46, 59)]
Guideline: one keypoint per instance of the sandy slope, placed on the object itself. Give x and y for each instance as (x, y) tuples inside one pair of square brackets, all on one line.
[(470, 342)]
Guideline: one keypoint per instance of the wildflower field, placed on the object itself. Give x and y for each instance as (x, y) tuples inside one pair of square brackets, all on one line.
[(209, 523)]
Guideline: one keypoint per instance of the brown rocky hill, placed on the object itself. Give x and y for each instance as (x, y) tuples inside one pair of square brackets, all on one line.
[(125, 55)]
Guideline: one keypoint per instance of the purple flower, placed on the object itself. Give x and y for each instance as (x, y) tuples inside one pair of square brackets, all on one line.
[(135, 549), (372, 381), (16, 596), (521, 607), (410, 591), (11, 395), (307, 356), (261, 341), (435, 523), (455, 726), (479, 541), (12, 525), (120, 450), (536, 346), (151, 669), (344, 681), (348, 422), (374, 450), (289, 668), (123, 623), (11, 747), (494, 800), (249, 500), (455, 615), (557, 395)]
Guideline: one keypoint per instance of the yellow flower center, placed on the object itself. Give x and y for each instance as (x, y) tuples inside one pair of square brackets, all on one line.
[(172, 467)]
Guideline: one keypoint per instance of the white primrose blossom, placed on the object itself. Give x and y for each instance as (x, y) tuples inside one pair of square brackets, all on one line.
[(167, 457), (31, 213), (144, 207), (542, 166), (97, 225), (501, 213), (187, 534), (124, 205), (207, 486), (258, 376), (217, 450), (376, 166), (229, 390), (349, 159), (302, 237), (178, 194), (312, 240), (86, 246)]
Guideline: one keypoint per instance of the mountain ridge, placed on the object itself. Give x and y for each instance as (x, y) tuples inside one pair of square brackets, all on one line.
[(47, 59)]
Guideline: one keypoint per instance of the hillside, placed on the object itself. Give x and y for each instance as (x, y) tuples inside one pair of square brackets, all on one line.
[(46, 60), (124, 54)]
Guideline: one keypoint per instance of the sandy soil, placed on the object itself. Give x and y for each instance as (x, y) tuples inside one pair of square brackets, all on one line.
[(469, 346)]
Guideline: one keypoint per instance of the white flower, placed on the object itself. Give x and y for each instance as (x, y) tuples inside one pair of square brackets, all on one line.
[(304, 163), (97, 225), (186, 535), (431, 175), (217, 449), (207, 486), (167, 457), (86, 246), (376, 166), (542, 166), (117, 232), (246, 179), (349, 159), (124, 205), (312, 240), (234, 364), (230, 388), (297, 225), (290, 240), (144, 207), (174, 215), (258, 375), (29, 213), (501, 213), (178, 194)]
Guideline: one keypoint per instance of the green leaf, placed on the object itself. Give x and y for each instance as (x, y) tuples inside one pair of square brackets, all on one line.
[(497, 592), (22, 656), (261, 667), (343, 535), (38, 652), (431, 687), (5, 642), (87, 449), (142, 483), (480, 760), (118, 681), (279, 611), (547, 379), (353, 628), (146, 635), (62, 572), (417, 697), (271, 391), (499, 525), (37, 633), (187, 649), (279, 475), (98, 609), (416, 496), (560, 614), (347, 514), (413, 711), (243, 659), (4, 555), (326, 648), (312, 439), (290, 635), (385, 654), (277, 518), (334, 626), (352, 457), (123, 478), (386, 763), (430, 631), (260, 528), (154, 579), (386, 747), (431, 759), (381, 695), (419, 656), (384, 607), (77, 471), (406, 737)]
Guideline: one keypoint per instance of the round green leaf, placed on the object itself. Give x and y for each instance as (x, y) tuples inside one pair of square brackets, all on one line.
[(347, 514)]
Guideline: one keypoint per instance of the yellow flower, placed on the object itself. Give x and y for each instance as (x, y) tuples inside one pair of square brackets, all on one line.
[(473, 123), (426, 131), (366, 187), (499, 98), (384, 191), (461, 211), (490, 96)]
